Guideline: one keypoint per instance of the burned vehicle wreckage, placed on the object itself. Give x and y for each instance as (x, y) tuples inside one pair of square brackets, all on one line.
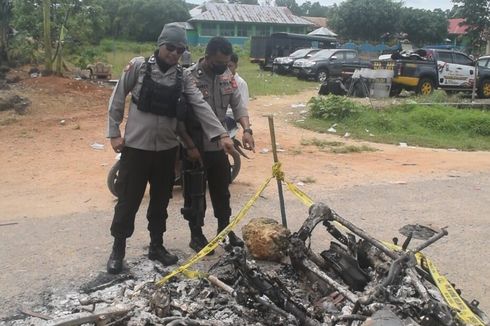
[(358, 280)]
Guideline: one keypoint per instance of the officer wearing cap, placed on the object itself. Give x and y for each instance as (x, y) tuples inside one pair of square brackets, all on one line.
[(149, 145), (220, 90)]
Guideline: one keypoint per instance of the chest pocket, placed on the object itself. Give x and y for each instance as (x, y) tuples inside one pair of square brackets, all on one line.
[(226, 90)]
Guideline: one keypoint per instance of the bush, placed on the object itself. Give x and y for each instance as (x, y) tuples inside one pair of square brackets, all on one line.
[(333, 107)]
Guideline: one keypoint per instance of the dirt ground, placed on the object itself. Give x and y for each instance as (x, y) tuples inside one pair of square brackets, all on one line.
[(55, 209)]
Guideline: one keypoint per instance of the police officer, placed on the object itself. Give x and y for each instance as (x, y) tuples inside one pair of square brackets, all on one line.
[(220, 90), (149, 145)]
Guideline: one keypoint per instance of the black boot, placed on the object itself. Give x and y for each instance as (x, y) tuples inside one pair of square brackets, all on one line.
[(159, 253), (115, 262), (198, 239)]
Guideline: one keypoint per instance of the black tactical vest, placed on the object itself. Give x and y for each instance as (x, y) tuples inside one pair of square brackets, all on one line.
[(157, 98)]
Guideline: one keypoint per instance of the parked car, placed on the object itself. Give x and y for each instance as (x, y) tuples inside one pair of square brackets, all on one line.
[(284, 65), (324, 64), (264, 49), (483, 80), (449, 70)]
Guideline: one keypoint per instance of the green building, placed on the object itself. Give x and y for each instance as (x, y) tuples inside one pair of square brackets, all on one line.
[(239, 22)]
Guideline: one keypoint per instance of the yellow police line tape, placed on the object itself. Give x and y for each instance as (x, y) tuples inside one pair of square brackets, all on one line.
[(453, 299)]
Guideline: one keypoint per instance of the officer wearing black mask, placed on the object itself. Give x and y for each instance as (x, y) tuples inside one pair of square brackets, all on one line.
[(220, 90)]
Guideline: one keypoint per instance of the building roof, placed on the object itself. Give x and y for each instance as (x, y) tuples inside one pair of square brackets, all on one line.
[(227, 12), (317, 21), (454, 27), (322, 31)]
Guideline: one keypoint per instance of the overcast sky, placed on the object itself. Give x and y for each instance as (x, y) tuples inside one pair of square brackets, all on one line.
[(424, 4)]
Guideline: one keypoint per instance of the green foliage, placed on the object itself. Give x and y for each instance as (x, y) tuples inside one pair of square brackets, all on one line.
[(291, 5), (334, 108), (142, 20), (23, 50), (477, 16), (423, 26), (369, 19), (429, 126), (365, 19)]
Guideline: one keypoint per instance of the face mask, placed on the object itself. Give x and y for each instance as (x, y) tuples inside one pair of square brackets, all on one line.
[(218, 69)]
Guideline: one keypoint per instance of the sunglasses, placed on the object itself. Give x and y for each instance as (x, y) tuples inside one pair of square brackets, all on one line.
[(171, 48)]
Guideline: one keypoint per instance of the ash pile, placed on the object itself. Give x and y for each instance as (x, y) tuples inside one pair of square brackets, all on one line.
[(357, 280)]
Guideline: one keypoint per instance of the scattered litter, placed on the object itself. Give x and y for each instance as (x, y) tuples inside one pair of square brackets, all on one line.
[(367, 130), (281, 150), (290, 113), (299, 183), (452, 149), (300, 120), (103, 164), (371, 135), (399, 182), (299, 105), (403, 145), (303, 111), (347, 135), (332, 129), (62, 122), (97, 146), (264, 151)]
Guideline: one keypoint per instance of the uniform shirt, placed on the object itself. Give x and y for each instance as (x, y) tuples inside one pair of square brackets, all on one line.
[(219, 91), (148, 131), (243, 89)]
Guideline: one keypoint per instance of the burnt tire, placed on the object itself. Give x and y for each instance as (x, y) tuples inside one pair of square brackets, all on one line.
[(484, 89), (112, 178), (425, 86), (235, 165), (322, 75)]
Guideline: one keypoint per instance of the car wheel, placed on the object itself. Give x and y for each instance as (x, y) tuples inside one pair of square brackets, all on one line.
[(484, 89), (425, 87), (321, 75)]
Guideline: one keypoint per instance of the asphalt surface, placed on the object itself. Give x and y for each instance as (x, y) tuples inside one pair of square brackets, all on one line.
[(58, 254)]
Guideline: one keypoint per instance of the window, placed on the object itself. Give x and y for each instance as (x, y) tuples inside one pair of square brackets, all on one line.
[(209, 30), (262, 30), (350, 55), (244, 30), (461, 59), (483, 63), (446, 57), (227, 30)]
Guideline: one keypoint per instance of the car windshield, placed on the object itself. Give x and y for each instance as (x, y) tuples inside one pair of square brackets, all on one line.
[(323, 54), (299, 53)]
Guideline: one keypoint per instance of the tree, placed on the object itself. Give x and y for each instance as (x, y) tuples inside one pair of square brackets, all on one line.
[(477, 16), (423, 26), (48, 64), (313, 9), (365, 19), (5, 15), (290, 4)]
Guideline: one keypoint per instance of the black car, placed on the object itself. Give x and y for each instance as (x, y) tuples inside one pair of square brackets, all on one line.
[(324, 64), (283, 65)]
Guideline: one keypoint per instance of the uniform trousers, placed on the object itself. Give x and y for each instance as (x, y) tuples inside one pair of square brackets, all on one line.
[(137, 168), (218, 176)]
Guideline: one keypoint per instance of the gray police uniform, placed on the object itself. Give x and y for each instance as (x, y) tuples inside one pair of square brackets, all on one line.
[(220, 92), (150, 145)]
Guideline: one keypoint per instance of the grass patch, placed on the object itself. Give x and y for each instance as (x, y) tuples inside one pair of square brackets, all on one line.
[(352, 149), (118, 53), (320, 143), (435, 126)]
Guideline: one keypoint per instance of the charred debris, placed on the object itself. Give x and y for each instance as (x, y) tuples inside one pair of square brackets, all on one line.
[(356, 280)]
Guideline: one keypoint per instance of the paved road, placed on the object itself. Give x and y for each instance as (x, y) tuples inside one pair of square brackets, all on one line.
[(59, 253)]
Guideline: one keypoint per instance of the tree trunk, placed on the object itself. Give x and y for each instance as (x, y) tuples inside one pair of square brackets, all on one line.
[(4, 30), (48, 65)]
